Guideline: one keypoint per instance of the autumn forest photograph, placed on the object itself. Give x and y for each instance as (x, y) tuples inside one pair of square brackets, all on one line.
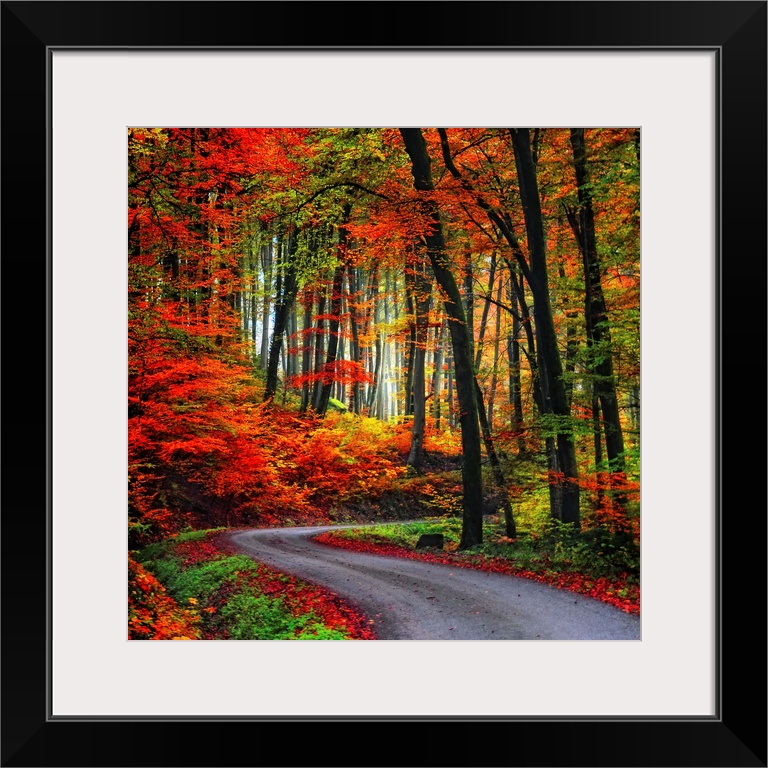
[(383, 383)]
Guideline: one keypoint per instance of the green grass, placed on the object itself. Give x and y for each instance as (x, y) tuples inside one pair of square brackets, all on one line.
[(236, 597), (594, 553)]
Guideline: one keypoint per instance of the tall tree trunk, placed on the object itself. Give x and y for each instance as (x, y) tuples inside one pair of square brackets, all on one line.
[(601, 357), (565, 475), (450, 393), (317, 385), (284, 356), (437, 376), (293, 341), (469, 300), (306, 347), (472, 522), (392, 313), (498, 474), (254, 320), (495, 372), (422, 300), (376, 372), (571, 345), (284, 299), (266, 271), (336, 291), (526, 322), (484, 316), (410, 302), (373, 392), (340, 386), (354, 350), (254, 300), (386, 353), (243, 297), (597, 441), (515, 383)]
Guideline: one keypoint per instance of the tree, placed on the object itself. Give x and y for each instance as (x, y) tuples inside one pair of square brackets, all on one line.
[(472, 523), (333, 340), (422, 300), (551, 395), (565, 483), (305, 262), (287, 288), (600, 358)]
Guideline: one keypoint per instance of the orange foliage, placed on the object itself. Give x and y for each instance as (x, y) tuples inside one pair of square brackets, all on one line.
[(202, 450), (152, 613)]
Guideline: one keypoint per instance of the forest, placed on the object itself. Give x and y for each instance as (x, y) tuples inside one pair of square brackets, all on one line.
[(370, 325)]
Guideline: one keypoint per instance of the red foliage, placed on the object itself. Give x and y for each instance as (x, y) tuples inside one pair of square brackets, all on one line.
[(611, 492), (344, 371)]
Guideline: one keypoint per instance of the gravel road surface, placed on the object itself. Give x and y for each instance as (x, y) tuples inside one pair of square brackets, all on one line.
[(415, 600)]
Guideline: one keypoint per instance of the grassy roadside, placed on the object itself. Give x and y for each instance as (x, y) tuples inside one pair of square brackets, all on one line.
[(596, 563), (194, 587)]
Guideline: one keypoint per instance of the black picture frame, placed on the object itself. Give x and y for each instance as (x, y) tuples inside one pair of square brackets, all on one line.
[(736, 736)]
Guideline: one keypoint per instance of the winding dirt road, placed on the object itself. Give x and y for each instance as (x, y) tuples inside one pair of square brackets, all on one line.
[(415, 600)]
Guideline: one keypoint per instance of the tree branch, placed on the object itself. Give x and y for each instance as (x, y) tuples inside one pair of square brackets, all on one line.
[(509, 235)]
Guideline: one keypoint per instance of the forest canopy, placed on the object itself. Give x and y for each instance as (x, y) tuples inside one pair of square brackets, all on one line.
[(318, 314)]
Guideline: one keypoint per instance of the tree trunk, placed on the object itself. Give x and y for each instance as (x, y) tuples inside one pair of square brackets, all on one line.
[(284, 301), (566, 474), (571, 345), (333, 338), (421, 301), (484, 316), (392, 313), (306, 348), (284, 357), (598, 445), (472, 523), (386, 363), (437, 376), (354, 350), (469, 300), (449, 393), (254, 300), (266, 271), (317, 384), (339, 384), (515, 384), (293, 341), (495, 372), (410, 301), (376, 370), (601, 357), (498, 474)]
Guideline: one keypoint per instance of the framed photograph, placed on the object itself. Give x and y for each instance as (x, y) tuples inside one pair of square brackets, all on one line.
[(691, 76)]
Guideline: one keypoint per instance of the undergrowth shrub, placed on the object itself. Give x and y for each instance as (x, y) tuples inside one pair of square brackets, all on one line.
[(153, 613), (231, 596)]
